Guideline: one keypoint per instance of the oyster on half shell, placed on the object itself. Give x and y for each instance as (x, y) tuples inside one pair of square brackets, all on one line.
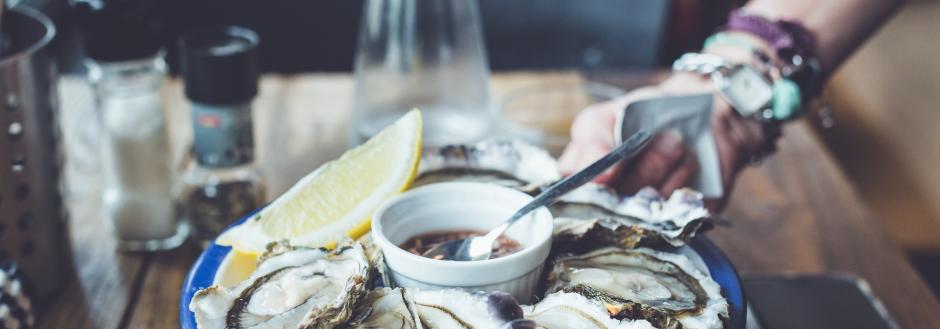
[(595, 216), (386, 308), (507, 163), (408, 308), (565, 310), (291, 288), (661, 287), (457, 309)]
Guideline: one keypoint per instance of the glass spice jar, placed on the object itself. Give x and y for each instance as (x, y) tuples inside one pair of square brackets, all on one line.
[(223, 184)]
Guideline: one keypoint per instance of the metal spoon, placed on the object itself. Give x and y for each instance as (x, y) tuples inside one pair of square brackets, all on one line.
[(481, 247)]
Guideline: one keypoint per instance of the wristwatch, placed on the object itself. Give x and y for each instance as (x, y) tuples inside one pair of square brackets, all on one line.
[(747, 88), (750, 91)]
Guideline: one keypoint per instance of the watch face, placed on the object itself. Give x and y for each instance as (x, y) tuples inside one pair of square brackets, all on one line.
[(746, 89)]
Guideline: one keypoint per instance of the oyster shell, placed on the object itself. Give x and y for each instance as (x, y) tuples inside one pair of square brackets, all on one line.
[(291, 288), (664, 288), (594, 216), (565, 310), (457, 309), (377, 269), (508, 163), (386, 308)]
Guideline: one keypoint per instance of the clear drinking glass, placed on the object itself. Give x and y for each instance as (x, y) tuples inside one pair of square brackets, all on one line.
[(542, 114), (425, 54)]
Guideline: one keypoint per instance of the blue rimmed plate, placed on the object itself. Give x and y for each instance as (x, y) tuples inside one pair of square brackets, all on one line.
[(217, 265)]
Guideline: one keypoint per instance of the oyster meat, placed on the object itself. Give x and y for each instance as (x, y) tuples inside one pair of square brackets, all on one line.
[(565, 310), (594, 216), (457, 309), (508, 163), (291, 288), (663, 288), (386, 308)]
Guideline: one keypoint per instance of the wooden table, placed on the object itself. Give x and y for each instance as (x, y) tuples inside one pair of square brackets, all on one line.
[(796, 213)]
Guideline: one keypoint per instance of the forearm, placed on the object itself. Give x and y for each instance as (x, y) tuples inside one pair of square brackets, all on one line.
[(839, 26)]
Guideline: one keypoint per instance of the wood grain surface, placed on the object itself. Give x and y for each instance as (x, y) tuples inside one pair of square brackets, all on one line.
[(796, 213)]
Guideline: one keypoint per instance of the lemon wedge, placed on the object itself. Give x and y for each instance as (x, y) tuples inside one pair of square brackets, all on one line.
[(338, 198)]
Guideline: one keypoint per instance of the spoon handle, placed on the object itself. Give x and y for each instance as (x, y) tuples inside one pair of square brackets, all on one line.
[(629, 148)]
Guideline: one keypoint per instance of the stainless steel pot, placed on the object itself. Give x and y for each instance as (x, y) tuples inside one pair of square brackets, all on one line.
[(32, 216)]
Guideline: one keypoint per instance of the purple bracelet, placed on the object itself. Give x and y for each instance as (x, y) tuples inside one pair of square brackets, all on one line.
[(792, 43), (788, 38)]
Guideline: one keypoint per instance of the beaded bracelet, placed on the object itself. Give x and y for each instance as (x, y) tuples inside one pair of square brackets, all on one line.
[(788, 96), (793, 44)]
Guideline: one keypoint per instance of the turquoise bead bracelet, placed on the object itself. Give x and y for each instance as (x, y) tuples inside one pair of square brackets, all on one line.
[(787, 98)]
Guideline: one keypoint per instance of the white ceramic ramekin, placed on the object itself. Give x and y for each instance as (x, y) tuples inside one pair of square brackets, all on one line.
[(463, 206)]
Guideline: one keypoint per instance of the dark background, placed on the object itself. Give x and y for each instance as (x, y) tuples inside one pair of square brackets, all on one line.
[(320, 35)]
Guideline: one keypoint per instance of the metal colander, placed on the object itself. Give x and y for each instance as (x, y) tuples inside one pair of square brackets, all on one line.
[(32, 216)]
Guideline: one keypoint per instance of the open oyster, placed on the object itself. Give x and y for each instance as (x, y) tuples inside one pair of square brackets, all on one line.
[(457, 309), (594, 216), (663, 288), (377, 269), (386, 308), (291, 288), (564, 310), (508, 163)]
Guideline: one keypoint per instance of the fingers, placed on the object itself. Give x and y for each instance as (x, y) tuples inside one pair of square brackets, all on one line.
[(655, 165), (592, 137), (576, 158), (716, 205), (595, 125), (736, 139), (681, 176), (728, 159)]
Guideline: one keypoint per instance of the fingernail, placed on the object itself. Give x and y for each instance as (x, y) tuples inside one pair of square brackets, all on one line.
[(669, 140)]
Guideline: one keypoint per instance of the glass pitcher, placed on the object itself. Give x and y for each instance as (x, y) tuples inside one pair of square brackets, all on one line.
[(425, 54)]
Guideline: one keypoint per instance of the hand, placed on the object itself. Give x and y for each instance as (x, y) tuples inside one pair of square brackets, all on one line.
[(667, 164)]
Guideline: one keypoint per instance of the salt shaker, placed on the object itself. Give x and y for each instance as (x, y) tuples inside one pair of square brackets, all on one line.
[(220, 72), (127, 72)]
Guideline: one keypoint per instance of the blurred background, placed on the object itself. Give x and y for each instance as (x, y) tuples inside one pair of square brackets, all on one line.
[(321, 35), (883, 124)]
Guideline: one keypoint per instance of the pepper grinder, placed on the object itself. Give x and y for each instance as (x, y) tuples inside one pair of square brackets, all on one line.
[(220, 73)]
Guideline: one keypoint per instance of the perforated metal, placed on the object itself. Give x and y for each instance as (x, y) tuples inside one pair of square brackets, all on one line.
[(32, 215)]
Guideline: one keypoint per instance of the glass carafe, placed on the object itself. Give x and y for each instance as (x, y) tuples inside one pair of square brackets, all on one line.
[(425, 54)]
